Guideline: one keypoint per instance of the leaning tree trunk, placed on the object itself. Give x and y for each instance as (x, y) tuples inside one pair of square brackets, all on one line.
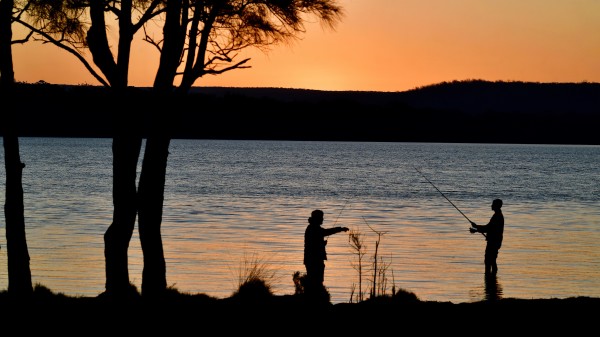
[(150, 207), (126, 143), (126, 151), (154, 167), (19, 273)]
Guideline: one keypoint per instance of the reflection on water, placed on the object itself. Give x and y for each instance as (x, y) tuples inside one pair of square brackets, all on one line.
[(227, 200), (493, 289)]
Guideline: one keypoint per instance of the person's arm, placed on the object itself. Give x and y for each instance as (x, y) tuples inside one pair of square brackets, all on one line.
[(334, 230)]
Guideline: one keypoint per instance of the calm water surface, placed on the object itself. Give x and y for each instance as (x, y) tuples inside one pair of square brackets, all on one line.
[(231, 203)]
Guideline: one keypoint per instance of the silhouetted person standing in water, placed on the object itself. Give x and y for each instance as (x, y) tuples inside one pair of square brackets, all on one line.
[(315, 253), (494, 232)]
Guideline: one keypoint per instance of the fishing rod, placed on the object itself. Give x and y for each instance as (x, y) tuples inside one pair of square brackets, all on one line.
[(443, 195)]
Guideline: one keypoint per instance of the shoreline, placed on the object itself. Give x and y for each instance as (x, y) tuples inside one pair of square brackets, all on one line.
[(179, 312)]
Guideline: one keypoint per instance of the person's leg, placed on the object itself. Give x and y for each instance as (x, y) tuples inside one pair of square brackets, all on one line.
[(491, 253), (494, 265), (314, 278), (489, 260), (323, 294), (311, 278), (320, 277)]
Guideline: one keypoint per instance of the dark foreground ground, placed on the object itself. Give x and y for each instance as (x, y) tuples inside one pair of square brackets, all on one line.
[(198, 314)]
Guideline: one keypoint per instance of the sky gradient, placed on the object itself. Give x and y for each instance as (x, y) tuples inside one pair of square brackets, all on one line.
[(390, 45)]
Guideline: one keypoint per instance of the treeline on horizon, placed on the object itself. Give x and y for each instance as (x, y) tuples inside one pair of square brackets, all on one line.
[(472, 111)]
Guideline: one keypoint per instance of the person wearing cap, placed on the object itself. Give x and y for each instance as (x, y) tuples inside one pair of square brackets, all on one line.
[(315, 253), (494, 233)]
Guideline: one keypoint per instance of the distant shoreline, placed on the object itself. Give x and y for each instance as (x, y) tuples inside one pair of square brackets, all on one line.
[(454, 112)]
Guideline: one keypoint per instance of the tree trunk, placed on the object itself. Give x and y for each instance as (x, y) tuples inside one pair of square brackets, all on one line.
[(19, 273), (126, 144), (150, 207), (174, 31), (154, 167), (126, 151), (7, 75)]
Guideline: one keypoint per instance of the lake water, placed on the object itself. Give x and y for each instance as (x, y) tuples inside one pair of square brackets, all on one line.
[(229, 204)]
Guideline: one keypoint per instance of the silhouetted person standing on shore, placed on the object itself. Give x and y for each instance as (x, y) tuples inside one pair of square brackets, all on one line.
[(315, 253), (494, 233)]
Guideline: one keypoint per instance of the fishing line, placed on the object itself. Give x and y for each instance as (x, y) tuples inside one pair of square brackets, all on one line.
[(347, 200), (463, 214), (340, 213)]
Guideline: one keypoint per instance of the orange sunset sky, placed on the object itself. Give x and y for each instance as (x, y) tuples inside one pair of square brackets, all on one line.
[(391, 45)]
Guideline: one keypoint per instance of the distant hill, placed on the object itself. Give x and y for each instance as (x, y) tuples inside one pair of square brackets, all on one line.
[(512, 97), (459, 111), (472, 96)]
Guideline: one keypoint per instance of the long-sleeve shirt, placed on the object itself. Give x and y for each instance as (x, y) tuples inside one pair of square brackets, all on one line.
[(314, 242), (494, 229)]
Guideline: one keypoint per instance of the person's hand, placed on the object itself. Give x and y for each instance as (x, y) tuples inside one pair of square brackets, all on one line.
[(472, 230), (345, 229)]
